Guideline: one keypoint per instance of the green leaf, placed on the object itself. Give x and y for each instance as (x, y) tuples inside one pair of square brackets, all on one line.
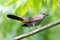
[(35, 5), (48, 1), (54, 5), (22, 10), (59, 0), (11, 2)]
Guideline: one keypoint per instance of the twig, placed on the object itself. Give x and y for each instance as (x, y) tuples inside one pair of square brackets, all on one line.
[(37, 30)]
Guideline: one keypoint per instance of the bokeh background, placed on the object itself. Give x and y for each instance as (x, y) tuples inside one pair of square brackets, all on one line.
[(26, 8)]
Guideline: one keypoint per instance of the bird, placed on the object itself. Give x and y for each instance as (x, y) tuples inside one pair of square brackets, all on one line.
[(29, 22)]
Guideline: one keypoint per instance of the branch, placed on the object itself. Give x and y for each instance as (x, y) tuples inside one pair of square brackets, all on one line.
[(37, 30)]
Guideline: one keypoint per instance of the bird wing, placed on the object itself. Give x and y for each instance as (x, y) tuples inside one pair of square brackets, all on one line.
[(35, 18)]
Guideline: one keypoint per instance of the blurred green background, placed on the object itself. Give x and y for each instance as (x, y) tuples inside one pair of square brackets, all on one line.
[(26, 8)]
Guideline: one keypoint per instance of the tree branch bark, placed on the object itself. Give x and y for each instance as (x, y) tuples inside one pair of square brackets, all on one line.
[(37, 30)]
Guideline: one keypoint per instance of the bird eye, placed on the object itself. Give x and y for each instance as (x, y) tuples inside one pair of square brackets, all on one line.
[(44, 14)]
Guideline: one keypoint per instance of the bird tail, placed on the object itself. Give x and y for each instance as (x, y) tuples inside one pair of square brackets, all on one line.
[(15, 17)]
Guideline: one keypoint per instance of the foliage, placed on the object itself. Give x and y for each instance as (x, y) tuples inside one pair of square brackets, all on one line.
[(26, 8)]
